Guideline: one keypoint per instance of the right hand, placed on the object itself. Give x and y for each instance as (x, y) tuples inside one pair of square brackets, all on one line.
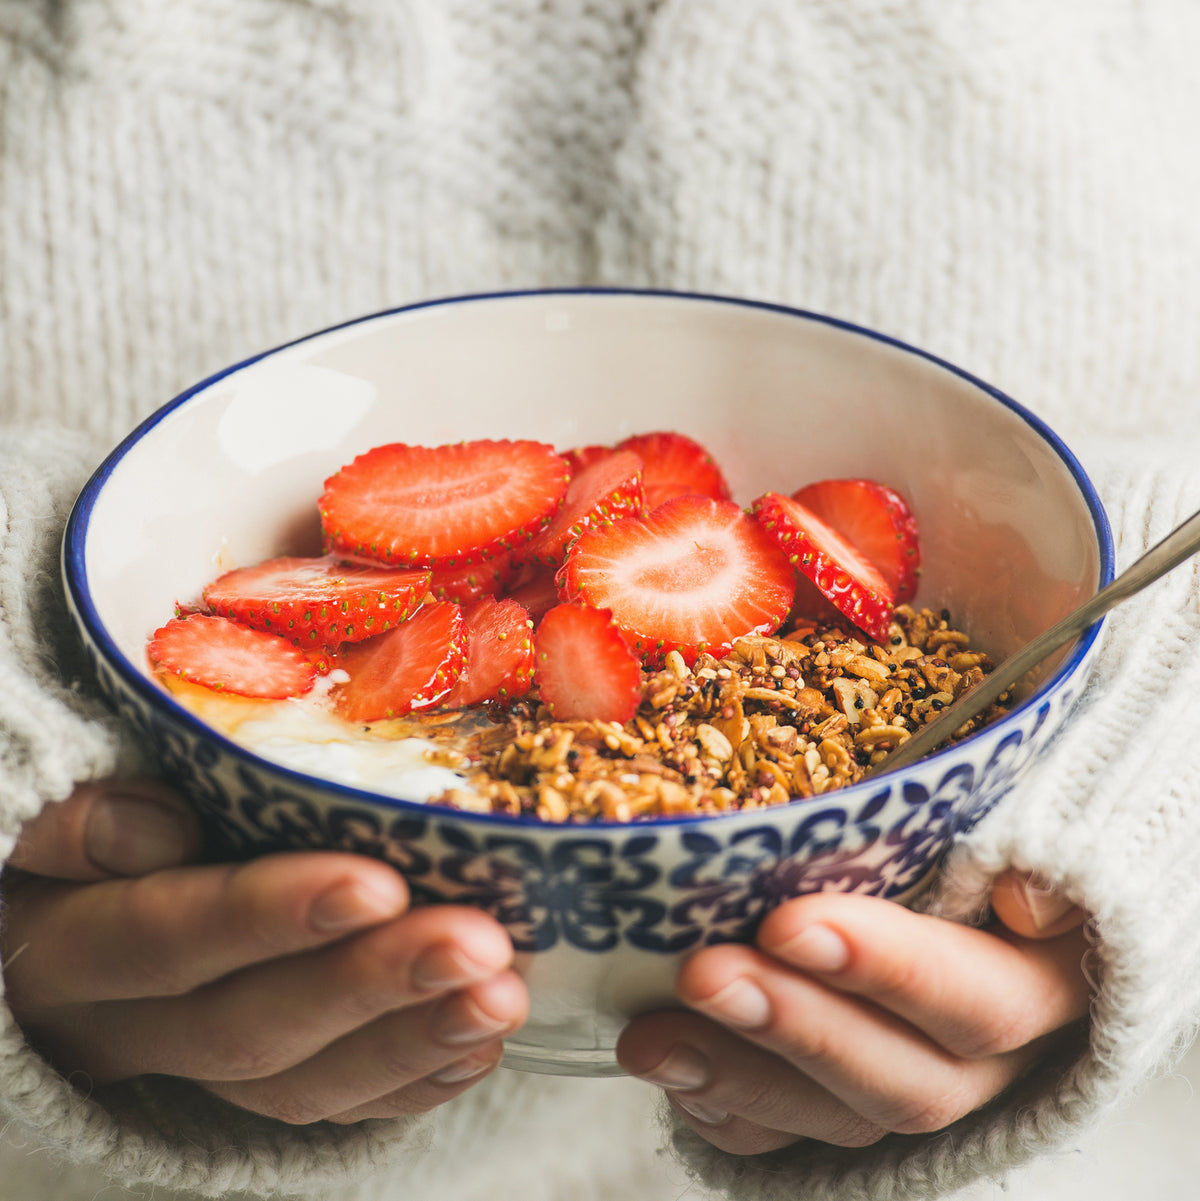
[(300, 986)]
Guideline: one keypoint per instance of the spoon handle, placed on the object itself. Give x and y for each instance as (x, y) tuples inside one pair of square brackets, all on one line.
[(1180, 544)]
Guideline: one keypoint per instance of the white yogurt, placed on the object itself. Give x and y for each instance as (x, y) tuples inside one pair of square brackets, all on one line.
[(305, 736)]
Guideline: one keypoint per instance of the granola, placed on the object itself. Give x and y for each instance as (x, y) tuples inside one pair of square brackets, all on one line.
[(778, 718)]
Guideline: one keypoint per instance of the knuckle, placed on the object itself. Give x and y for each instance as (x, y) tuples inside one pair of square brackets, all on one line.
[(400, 1103), (773, 1106), (252, 911), (232, 1054), (811, 1048), (397, 1065), (742, 1138), (293, 1107), (155, 961), (935, 1113), (998, 1035), (367, 982), (901, 976), (854, 1131), (762, 1101)]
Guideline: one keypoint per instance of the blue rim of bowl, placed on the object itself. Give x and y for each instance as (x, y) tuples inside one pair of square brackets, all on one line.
[(75, 538)]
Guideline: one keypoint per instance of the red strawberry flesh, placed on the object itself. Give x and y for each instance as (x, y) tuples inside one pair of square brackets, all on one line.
[(877, 521), (675, 465), (843, 576), (499, 654), (536, 590), (317, 602), (442, 506), (579, 457), (585, 670), (410, 668), (608, 488), (468, 582), (228, 657), (695, 574)]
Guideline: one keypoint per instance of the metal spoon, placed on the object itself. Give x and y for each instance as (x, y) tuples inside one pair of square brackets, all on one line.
[(1180, 544)]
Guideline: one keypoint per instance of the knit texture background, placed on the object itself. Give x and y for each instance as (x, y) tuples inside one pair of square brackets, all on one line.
[(1006, 183)]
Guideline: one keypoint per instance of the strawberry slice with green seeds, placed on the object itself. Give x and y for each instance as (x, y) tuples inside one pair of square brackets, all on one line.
[(226, 656), (877, 521), (694, 574), (675, 465), (579, 457), (410, 668), (535, 590), (469, 581), (585, 669), (442, 506), (317, 602), (844, 576), (603, 491), (499, 662)]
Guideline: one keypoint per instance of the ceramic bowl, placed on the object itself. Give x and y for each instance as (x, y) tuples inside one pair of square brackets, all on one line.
[(601, 915)]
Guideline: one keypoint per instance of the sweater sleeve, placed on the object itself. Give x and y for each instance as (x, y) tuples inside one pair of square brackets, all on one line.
[(1111, 816), (54, 732)]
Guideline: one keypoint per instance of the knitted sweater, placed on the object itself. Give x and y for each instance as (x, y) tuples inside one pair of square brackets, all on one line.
[(1006, 183)]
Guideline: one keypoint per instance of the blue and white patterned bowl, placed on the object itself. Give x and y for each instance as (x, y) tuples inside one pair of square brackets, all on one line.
[(601, 915)]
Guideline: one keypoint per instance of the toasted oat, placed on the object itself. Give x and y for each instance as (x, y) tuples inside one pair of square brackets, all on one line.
[(778, 718)]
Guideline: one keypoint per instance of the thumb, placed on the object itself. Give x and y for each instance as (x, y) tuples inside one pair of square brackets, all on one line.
[(1032, 909), (109, 828)]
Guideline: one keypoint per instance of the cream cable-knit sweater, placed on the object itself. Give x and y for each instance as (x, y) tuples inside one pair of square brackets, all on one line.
[(1007, 183)]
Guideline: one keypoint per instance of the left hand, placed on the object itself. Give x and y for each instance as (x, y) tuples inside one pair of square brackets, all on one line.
[(852, 1017)]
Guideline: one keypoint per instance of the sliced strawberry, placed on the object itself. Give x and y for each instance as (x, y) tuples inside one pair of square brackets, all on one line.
[(535, 590), (317, 602), (605, 490), (840, 572), (499, 664), (579, 457), (811, 605), (585, 669), (409, 668), (441, 506), (877, 521), (469, 581), (221, 654), (693, 574), (675, 465)]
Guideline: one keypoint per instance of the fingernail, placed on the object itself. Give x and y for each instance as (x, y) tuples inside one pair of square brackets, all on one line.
[(464, 1022), (709, 1115), (818, 948), (444, 967), (352, 904), (684, 1067), (740, 1003), (130, 835), (1045, 906), (460, 1070)]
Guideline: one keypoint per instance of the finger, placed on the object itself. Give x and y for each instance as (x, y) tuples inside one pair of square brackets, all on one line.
[(387, 1067), (729, 1133), (878, 1064), (112, 828), (267, 1019), (169, 932), (1031, 909), (439, 1087), (971, 991), (427, 1094), (741, 1097)]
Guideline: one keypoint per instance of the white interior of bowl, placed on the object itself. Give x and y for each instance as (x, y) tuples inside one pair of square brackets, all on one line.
[(231, 474)]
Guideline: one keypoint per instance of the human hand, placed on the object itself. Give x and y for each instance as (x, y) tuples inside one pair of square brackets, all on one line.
[(852, 1017), (300, 986)]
